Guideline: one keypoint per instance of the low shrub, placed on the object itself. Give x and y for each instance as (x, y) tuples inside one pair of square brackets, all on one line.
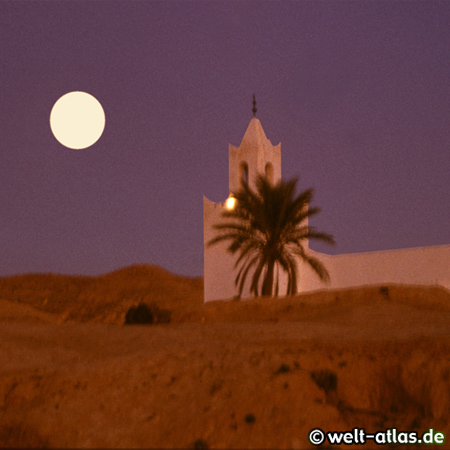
[(250, 418), (326, 379), (147, 314), (139, 315), (284, 368)]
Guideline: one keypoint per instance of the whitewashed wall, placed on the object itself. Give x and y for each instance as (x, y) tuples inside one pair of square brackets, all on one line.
[(219, 271), (414, 266)]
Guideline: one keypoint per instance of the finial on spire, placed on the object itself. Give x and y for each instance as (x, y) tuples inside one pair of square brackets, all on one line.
[(254, 106)]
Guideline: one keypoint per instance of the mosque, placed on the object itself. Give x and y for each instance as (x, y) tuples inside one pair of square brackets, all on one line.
[(257, 155)]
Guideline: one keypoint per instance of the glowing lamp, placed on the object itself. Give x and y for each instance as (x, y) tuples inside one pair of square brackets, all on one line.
[(230, 202)]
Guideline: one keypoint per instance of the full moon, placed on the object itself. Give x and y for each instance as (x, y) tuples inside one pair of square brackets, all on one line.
[(77, 120)]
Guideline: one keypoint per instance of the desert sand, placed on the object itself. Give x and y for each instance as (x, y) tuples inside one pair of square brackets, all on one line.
[(239, 374)]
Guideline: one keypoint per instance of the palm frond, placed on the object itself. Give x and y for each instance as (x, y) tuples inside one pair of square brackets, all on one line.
[(256, 276), (242, 275), (266, 229), (315, 264)]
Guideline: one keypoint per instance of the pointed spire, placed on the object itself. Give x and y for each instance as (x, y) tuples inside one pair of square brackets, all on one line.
[(254, 136), (254, 106)]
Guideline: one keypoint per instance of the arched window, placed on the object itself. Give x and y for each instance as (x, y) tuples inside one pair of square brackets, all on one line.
[(243, 172), (269, 172)]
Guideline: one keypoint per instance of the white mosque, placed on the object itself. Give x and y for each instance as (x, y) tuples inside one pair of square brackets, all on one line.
[(257, 155)]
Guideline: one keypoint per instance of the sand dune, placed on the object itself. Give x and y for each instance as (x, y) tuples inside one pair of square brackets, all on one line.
[(254, 374)]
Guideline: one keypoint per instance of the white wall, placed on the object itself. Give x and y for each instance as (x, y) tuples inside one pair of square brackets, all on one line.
[(219, 271), (414, 266)]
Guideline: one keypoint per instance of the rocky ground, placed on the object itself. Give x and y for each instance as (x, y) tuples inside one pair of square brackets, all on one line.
[(254, 374)]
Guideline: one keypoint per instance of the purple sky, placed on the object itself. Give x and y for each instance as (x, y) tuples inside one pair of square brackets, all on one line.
[(358, 93)]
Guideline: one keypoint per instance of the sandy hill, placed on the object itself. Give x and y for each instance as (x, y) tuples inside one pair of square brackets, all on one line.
[(255, 374), (105, 298)]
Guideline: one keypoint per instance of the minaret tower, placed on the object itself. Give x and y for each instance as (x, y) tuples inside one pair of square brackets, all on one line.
[(256, 155)]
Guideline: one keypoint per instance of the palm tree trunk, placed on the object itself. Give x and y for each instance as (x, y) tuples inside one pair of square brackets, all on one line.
[(267, 288)]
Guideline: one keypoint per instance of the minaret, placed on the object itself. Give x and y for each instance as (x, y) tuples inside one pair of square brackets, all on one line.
[(255, 155)]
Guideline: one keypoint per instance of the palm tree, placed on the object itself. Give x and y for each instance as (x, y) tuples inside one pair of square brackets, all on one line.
[(267, 228)]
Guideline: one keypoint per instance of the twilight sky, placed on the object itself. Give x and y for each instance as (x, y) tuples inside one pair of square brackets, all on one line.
[(357, 92)]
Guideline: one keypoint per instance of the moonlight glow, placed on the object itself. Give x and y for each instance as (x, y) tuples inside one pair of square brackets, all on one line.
[(77, 120)]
